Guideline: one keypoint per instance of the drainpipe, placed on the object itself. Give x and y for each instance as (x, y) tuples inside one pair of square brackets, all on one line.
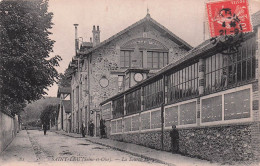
[(162, 110), (88, 120)]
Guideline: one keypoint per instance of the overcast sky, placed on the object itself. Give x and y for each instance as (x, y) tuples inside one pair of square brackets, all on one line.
[(183, 17)]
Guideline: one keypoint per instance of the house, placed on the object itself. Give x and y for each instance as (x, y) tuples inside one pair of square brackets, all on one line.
[(101, 70), (64, 109), (211, 94)]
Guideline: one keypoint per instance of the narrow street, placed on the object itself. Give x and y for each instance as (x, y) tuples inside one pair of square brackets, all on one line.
[(35, 147)]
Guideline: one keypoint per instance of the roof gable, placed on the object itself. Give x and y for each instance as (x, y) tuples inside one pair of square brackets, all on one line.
[(64, 90), (155, 24)]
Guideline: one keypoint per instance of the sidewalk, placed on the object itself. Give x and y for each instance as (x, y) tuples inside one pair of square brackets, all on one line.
[(21, 143), (148, 153)]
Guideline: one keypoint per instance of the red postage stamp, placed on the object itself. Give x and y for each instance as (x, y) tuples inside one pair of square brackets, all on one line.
[(228, 17)]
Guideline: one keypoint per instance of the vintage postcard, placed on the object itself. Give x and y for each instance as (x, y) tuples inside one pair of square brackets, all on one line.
[(129, 82)]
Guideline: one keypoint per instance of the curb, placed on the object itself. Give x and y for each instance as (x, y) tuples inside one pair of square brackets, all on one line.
[(122, 150), (132, 153)]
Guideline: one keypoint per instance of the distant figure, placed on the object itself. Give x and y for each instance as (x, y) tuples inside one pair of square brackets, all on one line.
[(83, 129), (44, 128), (174, 139), (102, 129), (91, 129)]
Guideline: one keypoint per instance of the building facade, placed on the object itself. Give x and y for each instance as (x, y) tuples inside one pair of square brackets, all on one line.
[(210, 94), (117, 64), (64, 109)]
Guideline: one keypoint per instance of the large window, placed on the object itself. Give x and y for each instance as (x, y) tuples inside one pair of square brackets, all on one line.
[(118, 107), (153, 94), (183, 83), (223, 71), (133, 102), (156, 60), (127, 57)]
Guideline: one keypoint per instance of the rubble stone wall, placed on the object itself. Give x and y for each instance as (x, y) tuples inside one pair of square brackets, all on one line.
[(237, 142)]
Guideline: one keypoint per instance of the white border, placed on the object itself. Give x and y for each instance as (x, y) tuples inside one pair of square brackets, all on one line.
[(116, 126), (237, 89), (149, 111), (178, 104), (130, 116)]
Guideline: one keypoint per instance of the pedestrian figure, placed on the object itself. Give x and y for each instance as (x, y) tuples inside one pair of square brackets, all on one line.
[(102, 129), (174, 139), (83, 129), (44, 128), (91, 128)]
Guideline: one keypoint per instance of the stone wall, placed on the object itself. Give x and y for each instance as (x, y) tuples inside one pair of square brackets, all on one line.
[(237, 142), (8, 129), (220, 143)]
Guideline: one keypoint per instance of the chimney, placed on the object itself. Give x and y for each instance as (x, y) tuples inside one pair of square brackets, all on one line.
[(91, 40), (76, 38), (96, 35)]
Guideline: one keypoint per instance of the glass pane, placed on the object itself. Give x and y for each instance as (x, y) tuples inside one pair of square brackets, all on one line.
[(155, 59), (166, 62), (149, 60)]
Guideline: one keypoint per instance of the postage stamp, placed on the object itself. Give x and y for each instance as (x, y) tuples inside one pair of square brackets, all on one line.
[(228, 17)]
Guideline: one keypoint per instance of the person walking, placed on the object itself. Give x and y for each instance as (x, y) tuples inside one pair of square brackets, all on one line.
[(83, 129), (102, 128), (44, 128), (91, 129), (174, 139)]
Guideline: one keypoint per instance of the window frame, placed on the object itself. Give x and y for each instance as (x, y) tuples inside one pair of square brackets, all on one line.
[(158, 63), (183, 84), (155, 88), (231, 74)]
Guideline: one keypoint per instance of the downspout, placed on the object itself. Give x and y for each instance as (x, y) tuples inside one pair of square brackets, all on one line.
[(88, 120), (78, 95), (162, 111)]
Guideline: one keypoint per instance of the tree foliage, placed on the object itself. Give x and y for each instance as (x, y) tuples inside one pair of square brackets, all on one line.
[(49, 113), (64, 79), (26, 69)]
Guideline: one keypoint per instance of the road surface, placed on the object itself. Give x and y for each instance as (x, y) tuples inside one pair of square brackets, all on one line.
[(53, 148)]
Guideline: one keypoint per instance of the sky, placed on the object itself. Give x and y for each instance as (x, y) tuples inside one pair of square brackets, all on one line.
[(182, 17)]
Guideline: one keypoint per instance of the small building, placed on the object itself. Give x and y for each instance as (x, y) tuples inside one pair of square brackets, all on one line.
[(117, 64), (211, 94), (64, 109)]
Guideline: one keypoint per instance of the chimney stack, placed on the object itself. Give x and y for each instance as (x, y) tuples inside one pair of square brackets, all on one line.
[(96, 35), (76, 38)]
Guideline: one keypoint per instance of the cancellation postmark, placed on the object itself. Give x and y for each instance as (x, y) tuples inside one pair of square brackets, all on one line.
[(228, 17)]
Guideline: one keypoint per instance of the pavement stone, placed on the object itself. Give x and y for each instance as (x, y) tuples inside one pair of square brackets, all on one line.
[(19, 150), (145, 152)]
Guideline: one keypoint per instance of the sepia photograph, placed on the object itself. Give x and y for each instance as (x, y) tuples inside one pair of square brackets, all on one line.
[(130, 82)]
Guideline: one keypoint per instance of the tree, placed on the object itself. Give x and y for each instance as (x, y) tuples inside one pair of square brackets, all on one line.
[(64, 79), (49, 113), (26, 69)]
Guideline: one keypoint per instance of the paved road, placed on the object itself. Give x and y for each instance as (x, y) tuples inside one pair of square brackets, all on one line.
[(59, 148)]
